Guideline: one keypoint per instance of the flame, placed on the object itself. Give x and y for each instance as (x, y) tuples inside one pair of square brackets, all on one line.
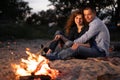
[(36, 64)]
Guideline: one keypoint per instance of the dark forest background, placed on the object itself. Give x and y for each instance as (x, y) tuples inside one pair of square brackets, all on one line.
[(18, 22)]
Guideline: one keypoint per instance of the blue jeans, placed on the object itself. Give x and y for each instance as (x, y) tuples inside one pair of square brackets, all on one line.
[(80, 52), (64, 42)]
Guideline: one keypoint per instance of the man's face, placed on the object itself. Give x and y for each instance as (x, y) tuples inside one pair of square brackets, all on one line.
[(89, 15)]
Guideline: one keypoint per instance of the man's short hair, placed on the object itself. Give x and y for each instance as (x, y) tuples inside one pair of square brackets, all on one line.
[(88, 6)]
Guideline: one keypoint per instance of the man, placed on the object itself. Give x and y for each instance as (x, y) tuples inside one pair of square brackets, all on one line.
[(97, 35)]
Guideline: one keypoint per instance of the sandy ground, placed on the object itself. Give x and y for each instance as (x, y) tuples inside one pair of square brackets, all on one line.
[(12, 51)]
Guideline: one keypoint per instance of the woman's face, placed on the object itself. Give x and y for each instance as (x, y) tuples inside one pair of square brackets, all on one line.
[(79, 19)]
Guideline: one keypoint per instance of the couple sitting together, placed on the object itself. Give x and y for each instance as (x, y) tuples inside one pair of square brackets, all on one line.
[(85, 36)]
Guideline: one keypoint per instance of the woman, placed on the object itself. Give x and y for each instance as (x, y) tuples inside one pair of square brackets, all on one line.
[(74, 28)]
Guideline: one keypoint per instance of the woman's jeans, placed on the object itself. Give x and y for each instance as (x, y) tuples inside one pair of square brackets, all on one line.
[(64, 42), (54, 44)]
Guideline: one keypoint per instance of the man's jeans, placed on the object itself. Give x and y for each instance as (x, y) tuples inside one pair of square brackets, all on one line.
[(81, 52)]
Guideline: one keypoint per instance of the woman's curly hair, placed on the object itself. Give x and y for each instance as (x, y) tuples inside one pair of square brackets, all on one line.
[(70, 22)]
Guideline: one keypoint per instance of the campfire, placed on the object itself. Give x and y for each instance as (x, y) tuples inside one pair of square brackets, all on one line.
[(35, 67)]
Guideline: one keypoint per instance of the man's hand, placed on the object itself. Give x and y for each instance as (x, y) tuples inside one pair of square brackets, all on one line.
[(75, 46)]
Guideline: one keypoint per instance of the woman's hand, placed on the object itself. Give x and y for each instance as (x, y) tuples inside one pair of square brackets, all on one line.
[(57, 37)]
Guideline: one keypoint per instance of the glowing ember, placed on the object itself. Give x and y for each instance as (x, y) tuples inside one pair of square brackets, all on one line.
[(35, 64)]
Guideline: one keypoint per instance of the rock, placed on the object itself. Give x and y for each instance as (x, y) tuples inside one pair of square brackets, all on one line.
[(115, 49), (115, 54), (115, 45)]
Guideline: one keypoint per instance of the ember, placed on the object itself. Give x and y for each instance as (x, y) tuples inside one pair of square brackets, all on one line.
[(36, 66)]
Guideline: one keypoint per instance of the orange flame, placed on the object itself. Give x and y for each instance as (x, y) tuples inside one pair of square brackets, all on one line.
[(36, 64)]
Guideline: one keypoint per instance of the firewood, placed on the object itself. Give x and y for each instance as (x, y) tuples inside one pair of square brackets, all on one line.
[(33, 77)]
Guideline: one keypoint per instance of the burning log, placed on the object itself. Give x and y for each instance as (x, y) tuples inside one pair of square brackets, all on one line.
[(35, 77), (38, 67)]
